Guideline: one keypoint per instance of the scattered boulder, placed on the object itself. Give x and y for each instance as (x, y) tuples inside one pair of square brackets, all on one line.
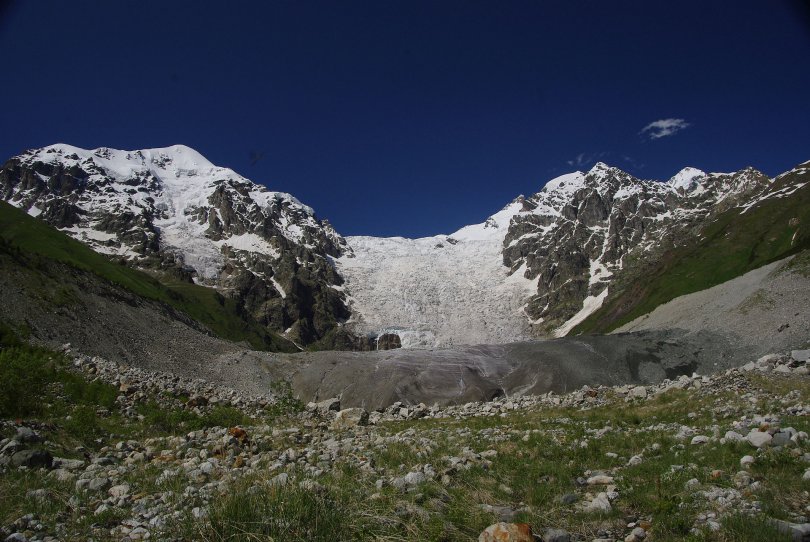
[(759, 439), (348, 418), (507, 532), (32, 459)]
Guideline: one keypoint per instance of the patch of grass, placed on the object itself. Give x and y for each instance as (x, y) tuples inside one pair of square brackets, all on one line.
[(739, 527), (35, 245), (260, 513), (160, 420), (729, 247)]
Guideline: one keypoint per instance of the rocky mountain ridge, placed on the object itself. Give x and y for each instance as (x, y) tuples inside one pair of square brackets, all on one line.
[(538, 268), (171, 211)]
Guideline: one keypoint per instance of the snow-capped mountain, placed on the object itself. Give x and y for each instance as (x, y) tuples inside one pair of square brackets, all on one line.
[(542, 264), (172, 210), (583, 227), (537, 268)]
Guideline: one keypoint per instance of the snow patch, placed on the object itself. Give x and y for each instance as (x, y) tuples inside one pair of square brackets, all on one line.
[(589, 306)]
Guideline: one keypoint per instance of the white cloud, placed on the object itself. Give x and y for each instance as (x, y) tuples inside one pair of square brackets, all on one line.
[(663, 128), (586, 159)]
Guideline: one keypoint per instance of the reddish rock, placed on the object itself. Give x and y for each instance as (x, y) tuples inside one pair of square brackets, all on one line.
[(507, 532)]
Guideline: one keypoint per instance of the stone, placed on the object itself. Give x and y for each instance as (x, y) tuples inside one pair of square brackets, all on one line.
[(32, 459), (569, 498), (797, 531), (414, 478), (119, 491), (759, 439), (507, 532), (328, 405), (16, 537), (599, 479), (67, 464), (635, 460), (139, 533), (700, 439), (348, 418), (636, 535), (747, 460), (733, 436), (98, 484), (600, 504), (800, 355), (556, 535), (781, 438), (27, 435), (742, 480), (638, 392)]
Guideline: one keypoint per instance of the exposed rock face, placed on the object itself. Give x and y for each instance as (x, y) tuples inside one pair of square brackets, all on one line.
[(582, 230), (171, 210), (388, 341)]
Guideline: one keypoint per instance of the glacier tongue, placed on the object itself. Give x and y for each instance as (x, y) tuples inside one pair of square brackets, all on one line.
[(437, 291)]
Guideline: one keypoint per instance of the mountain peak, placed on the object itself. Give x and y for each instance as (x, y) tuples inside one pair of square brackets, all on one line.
[(686, 178)]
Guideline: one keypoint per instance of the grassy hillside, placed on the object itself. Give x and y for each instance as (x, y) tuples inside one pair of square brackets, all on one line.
[(35, 243), (731, 246)]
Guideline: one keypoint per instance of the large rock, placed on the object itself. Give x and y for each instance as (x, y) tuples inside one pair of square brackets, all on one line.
[(507, 532), (32, 459), (759, 439), (348, 418)]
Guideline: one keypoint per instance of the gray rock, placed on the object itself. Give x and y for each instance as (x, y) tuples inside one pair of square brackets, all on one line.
[(569, 498), (800, 355), (16, 537), (415, 478), (556, 535), (348, 418), (747, 460), (67, 464), (599, 504), (119, 491), (636, 535), (799, 532), (781, 438), (700, 439), (27, 435), (32, 459), (759, 439), (98, 484), (639, 392)]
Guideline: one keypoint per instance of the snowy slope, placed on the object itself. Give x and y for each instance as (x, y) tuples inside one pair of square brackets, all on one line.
[(538, 267), (170, 209), (437, 291), (172, 183)]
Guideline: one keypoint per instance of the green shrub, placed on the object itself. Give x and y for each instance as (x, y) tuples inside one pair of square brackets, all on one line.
[(25, 373), (83, 423), (223, 416)]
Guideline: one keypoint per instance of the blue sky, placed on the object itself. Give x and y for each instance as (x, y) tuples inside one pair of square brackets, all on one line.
[(414, 117)]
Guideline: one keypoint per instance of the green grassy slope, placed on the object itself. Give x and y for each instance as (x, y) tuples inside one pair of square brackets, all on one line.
[(35, 239), (731, 246)]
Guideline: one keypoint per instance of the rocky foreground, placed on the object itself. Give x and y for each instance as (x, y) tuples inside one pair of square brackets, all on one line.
[(713, 457)]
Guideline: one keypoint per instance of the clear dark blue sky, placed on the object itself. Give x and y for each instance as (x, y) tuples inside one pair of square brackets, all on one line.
[(414, 117)]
